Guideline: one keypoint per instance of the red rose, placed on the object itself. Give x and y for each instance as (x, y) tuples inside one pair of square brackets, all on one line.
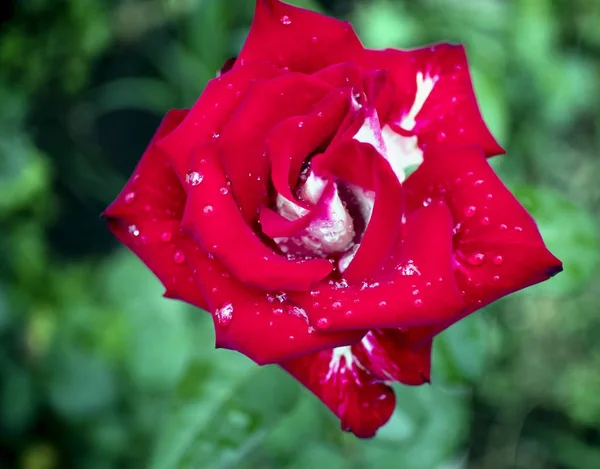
[(279, 203)]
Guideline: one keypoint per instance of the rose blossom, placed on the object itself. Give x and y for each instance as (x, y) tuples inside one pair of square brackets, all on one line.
[(279, 202)]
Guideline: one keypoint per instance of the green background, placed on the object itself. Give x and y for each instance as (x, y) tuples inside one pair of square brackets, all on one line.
[(98, 371)]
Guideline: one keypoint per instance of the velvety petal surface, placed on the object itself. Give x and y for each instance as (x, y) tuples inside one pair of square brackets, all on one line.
[(303, 40), (416, 286), (213, 219), (211, 112), (497, 247), (264, 326), (146, 216)]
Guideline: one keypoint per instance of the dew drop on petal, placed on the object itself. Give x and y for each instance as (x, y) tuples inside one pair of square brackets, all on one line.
[(503, 227), (498, 260), (224, 315), (470, 211), (208, 210), (133, 230), (518, 228), (418, 303), (336, 305), (224, 190), (485, 221), (496, 278), (193, 178), (285, 20), (323, 323), (129, 197), (179, 257), (166, 236), (382, 304), (477, 258)]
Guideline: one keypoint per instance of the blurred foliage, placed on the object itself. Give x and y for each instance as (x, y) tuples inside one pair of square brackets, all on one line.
[(97, 371)]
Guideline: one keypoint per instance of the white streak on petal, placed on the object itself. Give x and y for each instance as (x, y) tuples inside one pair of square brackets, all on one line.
[(425, 85), (403, 151)]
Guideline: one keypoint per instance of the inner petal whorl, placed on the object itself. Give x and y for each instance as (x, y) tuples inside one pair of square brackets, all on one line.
[(331, 230)]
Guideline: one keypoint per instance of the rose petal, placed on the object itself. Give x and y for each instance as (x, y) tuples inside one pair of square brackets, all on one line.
[(211, 112), (416, 287), (265, 327), (303, 40), (497, 246), (213, 219), (147, 220), (348, 389), (242, 140), (369, 171), (390, 354), (434, 94)]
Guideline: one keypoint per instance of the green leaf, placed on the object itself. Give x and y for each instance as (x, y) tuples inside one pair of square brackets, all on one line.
[(219, 431)]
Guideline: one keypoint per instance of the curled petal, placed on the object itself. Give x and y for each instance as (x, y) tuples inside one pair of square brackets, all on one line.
[(355, 396), (300, 39), (242, 140), (371, 172), (265, 327), (497, 246), (210, 113), (392, 355), (213, 219), (434, 97), (147, 221), (416, 287)]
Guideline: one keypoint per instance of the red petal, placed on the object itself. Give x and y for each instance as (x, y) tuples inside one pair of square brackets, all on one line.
[(353, 394), (370, 171), (263, 326), (146, 217), (293, 140), (242, 142), (390, 354), (418, 289), (213, 219), (303, 40), (449, 114), (211, 112), (497, 246)]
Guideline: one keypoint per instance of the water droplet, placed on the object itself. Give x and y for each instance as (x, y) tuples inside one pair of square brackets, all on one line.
[(277, 311), (323, 323), (498, 260), (179, 257), (382, 304), (503, 227), (300, 124), (336, 305), (166, 236), (314, 39), (470, 211), (348, 313), (224, 190), (193, 178), (479, 182), (518, 228), (496, 278), (427, 202), (292, 337), (415, 292), (418, 303), (453, 99), (216, 135), (133, 230), (129, 197), (285, 20), (476, 259), (208, 210), (485, 221), (224, 315)]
